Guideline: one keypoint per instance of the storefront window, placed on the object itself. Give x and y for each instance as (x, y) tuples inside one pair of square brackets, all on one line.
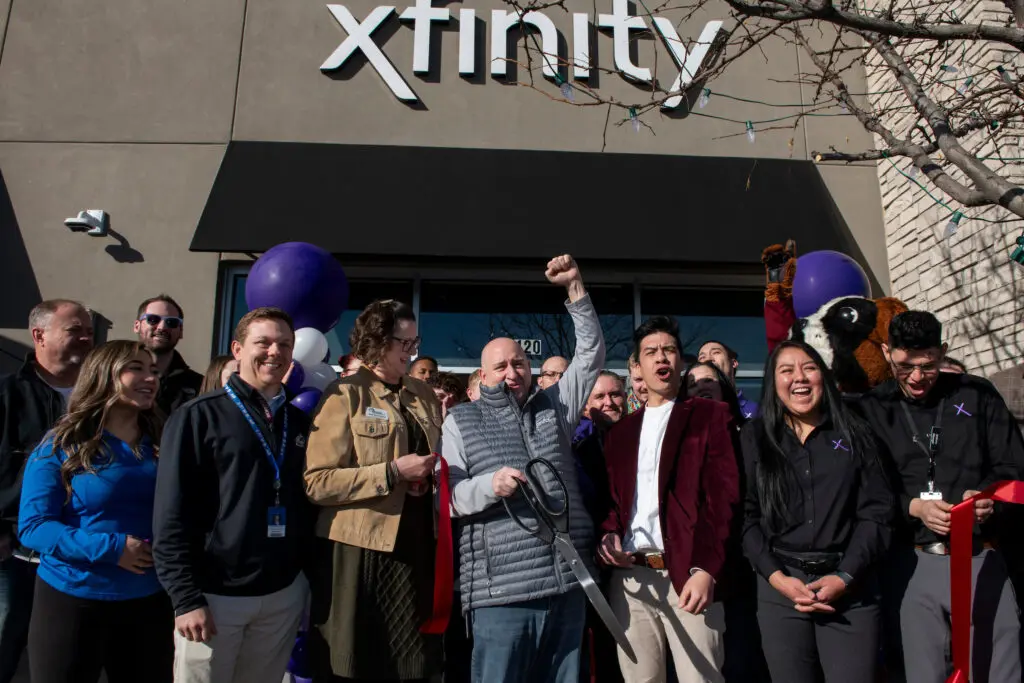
[(361, 293), (734, 317), (458, 319)]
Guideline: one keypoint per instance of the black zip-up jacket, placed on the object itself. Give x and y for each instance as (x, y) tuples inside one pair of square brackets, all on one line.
[(213, 493), (179, 385), (29, 407)]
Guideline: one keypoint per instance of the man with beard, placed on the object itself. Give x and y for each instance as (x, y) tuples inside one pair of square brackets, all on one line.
[(160, 324), (31, 402)]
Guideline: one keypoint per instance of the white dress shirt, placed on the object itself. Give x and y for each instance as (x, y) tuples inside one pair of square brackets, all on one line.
[(645, 526)]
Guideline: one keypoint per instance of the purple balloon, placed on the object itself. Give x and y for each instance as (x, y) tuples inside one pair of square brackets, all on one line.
[(296, 379), (822, 276), (307, 399), (304, 280)]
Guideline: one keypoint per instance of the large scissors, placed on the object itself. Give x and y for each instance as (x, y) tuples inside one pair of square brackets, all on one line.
[(553, 528)]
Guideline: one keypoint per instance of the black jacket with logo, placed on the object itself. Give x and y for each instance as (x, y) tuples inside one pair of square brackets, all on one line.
[(29, 407), (179, 385), (214, 490)]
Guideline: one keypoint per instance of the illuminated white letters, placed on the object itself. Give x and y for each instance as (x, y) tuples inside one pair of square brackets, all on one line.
[(359, 39), (621, 23), (423, 15), (688, 65), (502, 21)]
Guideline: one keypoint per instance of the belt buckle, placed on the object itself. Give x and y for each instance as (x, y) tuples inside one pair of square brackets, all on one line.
[(816, 567), (653, 560)]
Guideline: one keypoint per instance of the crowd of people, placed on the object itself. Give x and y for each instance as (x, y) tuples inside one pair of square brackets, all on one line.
[(163, 525)]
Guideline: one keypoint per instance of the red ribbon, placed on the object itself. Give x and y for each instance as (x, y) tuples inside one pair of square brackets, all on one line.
[(960, 553), (444, 571)]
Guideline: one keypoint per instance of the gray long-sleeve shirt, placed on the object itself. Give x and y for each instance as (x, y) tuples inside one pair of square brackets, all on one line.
[(471, 495)]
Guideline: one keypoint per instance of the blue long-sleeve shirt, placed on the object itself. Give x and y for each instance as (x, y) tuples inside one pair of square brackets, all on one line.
[(80, 540)]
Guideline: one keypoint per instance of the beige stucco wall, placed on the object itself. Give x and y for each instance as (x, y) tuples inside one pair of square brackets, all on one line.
[(968, 281), (128, 106)]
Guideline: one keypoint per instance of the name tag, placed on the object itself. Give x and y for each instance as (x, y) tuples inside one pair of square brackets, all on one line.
[(276, 522), (930, 495), (377, 413)]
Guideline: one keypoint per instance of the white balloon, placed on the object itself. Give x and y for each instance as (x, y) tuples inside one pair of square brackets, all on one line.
[(310, 347), (319, 376)]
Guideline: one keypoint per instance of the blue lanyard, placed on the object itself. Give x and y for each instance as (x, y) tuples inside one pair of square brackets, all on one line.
[(279, 461)]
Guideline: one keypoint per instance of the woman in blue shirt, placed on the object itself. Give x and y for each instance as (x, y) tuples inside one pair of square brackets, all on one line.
[(87, 508)]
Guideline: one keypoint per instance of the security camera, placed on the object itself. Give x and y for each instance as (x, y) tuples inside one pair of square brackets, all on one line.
[(93, 222)]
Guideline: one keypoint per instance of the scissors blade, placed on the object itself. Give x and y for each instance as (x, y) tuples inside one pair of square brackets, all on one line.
[(597, 599)]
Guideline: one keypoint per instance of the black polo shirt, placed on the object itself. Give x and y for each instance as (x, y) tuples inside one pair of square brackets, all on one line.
[(979, 444), (838, 500)]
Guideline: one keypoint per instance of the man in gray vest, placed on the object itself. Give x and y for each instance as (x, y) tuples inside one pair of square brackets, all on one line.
[(525, 605)]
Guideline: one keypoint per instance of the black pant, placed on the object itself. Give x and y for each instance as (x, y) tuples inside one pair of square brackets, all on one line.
[(801, 647), (71, 639)]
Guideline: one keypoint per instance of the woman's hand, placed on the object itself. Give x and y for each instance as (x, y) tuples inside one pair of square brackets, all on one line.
[(136, 557), (827, 588), (793, 588), (414, 467)]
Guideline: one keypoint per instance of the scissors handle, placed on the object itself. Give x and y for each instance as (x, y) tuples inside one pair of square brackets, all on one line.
[(560, 516), (550, 521)]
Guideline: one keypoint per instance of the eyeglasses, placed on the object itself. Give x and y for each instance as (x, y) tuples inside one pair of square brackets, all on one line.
[(408, 345), (552, 374), (907, 369), (152, 319)]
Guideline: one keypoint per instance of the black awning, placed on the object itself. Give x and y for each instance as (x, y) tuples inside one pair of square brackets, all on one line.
[(450, 202)]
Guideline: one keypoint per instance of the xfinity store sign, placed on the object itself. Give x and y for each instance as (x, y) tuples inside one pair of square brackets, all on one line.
[(620, 23)]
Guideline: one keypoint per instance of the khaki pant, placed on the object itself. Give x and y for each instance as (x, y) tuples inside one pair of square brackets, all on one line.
[(255, 637), (646, 605)]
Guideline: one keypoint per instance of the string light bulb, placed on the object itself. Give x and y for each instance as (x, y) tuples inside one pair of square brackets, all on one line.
[(635, 119), (705, 97), (1005, 75), (912, 172), (949, 68), (965, 86), (751, 135), (953, 224), (565, 87)]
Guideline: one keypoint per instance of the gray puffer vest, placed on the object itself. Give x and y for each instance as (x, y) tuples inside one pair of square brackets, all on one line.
[(501, 563)]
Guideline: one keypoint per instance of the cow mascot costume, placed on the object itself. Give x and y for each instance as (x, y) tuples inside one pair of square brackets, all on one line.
[(847, 331)]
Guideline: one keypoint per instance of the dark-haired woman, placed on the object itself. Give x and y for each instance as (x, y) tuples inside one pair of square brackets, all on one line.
[(817, 512), (369, 466), (87, 508), (744, 660)]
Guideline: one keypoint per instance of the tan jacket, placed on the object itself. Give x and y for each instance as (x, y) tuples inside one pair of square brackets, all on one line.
[(357, 430)]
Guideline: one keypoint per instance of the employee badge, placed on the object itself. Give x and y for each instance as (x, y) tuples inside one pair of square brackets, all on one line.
[(276, 522), (930, 495)]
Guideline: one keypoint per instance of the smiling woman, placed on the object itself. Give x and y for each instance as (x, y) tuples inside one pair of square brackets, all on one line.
[(87, 509), (816, 520)]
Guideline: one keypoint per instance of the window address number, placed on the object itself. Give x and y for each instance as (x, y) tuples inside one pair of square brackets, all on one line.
[(531, 347)]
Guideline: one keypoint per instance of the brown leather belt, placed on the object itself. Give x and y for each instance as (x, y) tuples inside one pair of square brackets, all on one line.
[(940, 548), (649, 560)]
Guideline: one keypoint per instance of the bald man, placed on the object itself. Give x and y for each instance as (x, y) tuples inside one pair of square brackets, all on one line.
[(551, 371), (527, 606)]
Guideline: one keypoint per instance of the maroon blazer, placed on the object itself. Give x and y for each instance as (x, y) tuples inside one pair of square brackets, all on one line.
[(698, 482)]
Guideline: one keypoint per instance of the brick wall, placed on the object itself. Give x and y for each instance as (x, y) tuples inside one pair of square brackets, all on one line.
[(967, 280)]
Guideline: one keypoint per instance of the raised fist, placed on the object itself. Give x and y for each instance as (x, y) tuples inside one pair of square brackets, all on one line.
[(562, 270)]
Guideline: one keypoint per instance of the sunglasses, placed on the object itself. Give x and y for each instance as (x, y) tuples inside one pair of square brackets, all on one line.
[(152, 319)]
